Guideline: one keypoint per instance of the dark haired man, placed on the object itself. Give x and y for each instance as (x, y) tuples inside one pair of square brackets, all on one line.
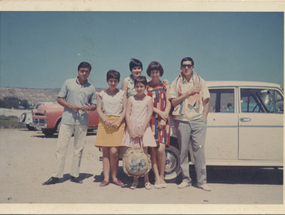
[(77, 96), (190, 97)]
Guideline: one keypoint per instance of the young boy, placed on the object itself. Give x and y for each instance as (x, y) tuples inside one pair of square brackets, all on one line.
[(77, 96)]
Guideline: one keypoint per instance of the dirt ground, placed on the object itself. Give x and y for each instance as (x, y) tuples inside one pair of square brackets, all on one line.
[(27, 160)]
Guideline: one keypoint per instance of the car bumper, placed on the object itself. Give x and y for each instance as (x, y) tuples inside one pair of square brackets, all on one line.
[(39, 126), (39, 123)]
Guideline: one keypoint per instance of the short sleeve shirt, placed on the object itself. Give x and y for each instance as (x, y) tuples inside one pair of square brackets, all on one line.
[(191, 113), (75, 94), (130, 86), (112, 105)]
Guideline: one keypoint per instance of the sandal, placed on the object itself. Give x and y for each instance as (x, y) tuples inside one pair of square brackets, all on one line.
[(163, 185), (147, 186), (157, 186), (104, 183), (134, 185), (118, 182)]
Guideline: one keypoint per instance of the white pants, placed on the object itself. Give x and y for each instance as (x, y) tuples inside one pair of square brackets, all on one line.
[(65, 134)]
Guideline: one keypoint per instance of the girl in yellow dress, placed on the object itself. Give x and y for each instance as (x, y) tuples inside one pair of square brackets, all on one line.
[(111, 108)]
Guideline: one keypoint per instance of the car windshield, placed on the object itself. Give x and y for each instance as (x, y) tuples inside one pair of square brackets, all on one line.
[(37, 105)]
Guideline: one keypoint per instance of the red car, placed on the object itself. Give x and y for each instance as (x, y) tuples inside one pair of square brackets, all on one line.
[(48, 118)]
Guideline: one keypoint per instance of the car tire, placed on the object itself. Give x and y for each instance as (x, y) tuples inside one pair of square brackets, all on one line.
[(36, 129), (172, 166), (58, 126), (48, 132), (30, 128)]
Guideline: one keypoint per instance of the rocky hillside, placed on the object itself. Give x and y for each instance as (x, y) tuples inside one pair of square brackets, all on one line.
[(32, 95)]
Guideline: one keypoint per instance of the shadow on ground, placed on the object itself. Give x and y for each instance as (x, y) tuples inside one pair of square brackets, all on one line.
[(127, 181), (82, 176), (241, 175), (219, 176)]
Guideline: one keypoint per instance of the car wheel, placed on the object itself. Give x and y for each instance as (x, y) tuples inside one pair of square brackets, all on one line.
[(30, 128), (48, 132), (36, 129), (58, 127), (172, 166)]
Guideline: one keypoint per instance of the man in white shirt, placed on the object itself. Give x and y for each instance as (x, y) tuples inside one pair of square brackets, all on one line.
[(190, 97)]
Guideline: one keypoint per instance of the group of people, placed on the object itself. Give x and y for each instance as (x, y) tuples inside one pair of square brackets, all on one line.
[(138, 113)]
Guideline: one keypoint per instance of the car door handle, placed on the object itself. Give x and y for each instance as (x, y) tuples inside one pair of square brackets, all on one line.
[(245, 119)]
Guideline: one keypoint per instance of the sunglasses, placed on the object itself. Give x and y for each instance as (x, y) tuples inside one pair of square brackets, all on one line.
[(184, 66)]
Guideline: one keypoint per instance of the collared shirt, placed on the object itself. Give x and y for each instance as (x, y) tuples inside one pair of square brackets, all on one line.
[(130, 86), (190, 112), (75, 94)]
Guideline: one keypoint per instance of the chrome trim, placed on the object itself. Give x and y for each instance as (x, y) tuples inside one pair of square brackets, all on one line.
[(41, 126), (234, 126), (263, 126), (222, 126)]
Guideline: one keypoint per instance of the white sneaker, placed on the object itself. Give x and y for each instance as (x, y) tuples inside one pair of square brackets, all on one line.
[(204, 187), (183, 185)]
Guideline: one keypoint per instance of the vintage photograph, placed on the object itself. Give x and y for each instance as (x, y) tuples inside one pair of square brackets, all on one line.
[(157, 107)]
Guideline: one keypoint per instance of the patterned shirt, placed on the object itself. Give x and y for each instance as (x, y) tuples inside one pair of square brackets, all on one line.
[(130, 86), (190, 112)]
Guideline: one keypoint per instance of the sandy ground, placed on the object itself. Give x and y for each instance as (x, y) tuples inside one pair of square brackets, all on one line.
[(27, 160)]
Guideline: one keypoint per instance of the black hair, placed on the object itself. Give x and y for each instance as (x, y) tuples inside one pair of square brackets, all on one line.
[(84, 65), (113, 74), (154, 65), (187, 59), (141, 79), (135, 62)]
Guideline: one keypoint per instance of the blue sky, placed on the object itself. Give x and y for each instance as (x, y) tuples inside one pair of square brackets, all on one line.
[(43, 49)]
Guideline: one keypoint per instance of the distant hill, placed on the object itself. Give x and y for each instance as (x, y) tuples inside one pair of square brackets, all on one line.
[(32, 95)]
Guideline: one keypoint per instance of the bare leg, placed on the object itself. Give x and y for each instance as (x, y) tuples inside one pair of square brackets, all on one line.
[(106, 163), (155, 164), (136, 180), (146, 179), (114, 161), (161, 161)]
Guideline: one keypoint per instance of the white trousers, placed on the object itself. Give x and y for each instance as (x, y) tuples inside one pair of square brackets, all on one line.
[(65, 134)]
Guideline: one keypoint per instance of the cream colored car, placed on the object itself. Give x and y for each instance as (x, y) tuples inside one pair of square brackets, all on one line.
[(244, 127)]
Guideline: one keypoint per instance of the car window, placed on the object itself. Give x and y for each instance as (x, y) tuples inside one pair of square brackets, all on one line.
[(222, 100), (278, 102), (261, 101)]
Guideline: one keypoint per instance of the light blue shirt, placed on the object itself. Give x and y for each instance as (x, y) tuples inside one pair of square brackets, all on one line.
[(75, 94)]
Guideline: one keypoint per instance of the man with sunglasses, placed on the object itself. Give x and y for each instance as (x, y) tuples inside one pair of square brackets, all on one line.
[(190, 97)]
